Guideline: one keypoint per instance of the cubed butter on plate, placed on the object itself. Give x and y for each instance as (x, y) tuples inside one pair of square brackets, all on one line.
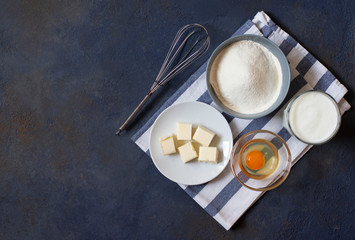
[(208, 154), (187, 152), (203, 136), (184, 131), (168, 145)]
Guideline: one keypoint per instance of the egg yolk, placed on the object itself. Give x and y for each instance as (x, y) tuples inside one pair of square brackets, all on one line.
[(255, 160)]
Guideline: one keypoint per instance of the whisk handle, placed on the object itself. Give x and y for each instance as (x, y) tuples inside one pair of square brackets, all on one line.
[(135, 111)]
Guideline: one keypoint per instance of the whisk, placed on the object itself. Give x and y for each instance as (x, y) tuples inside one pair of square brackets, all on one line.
[(190, 42)]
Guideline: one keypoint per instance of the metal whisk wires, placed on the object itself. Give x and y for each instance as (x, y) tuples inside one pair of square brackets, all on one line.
[(179, 55), (190, 42)]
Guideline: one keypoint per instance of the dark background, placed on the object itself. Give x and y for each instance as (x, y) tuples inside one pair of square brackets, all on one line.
[(72, 71)]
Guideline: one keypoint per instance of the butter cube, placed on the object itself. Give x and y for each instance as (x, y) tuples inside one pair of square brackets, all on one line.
[(168, 145), (208, 154), (184, 131), (203, 136), (187, 152)]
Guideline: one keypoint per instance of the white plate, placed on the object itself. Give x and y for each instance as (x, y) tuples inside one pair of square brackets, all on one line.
[(194, 172)]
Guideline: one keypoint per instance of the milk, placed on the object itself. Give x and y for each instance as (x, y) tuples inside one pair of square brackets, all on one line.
[(313, 117)]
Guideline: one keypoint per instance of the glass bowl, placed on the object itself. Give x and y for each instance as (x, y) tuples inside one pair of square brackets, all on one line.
[(282, 167), (287, 123)]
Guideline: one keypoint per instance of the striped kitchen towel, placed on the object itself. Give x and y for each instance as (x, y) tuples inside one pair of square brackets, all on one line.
[(224, 198)]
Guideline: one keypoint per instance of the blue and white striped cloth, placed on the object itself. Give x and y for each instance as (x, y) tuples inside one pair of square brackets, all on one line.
[(224, 198)]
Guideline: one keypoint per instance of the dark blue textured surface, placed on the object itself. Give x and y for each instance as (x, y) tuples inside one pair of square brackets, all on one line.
[(72, 71)]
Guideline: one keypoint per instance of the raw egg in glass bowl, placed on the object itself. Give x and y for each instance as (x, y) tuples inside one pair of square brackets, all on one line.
[(261, 160)]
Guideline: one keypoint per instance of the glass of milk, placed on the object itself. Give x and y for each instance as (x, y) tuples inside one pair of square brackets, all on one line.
[(313, 117)]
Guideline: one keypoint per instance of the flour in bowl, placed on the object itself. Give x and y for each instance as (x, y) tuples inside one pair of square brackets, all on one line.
[(246, 77)]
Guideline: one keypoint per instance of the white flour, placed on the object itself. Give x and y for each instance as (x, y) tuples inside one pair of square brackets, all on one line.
[(246, 77)]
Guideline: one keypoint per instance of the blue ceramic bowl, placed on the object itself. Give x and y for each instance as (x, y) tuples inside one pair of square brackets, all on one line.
[(285, 69)]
